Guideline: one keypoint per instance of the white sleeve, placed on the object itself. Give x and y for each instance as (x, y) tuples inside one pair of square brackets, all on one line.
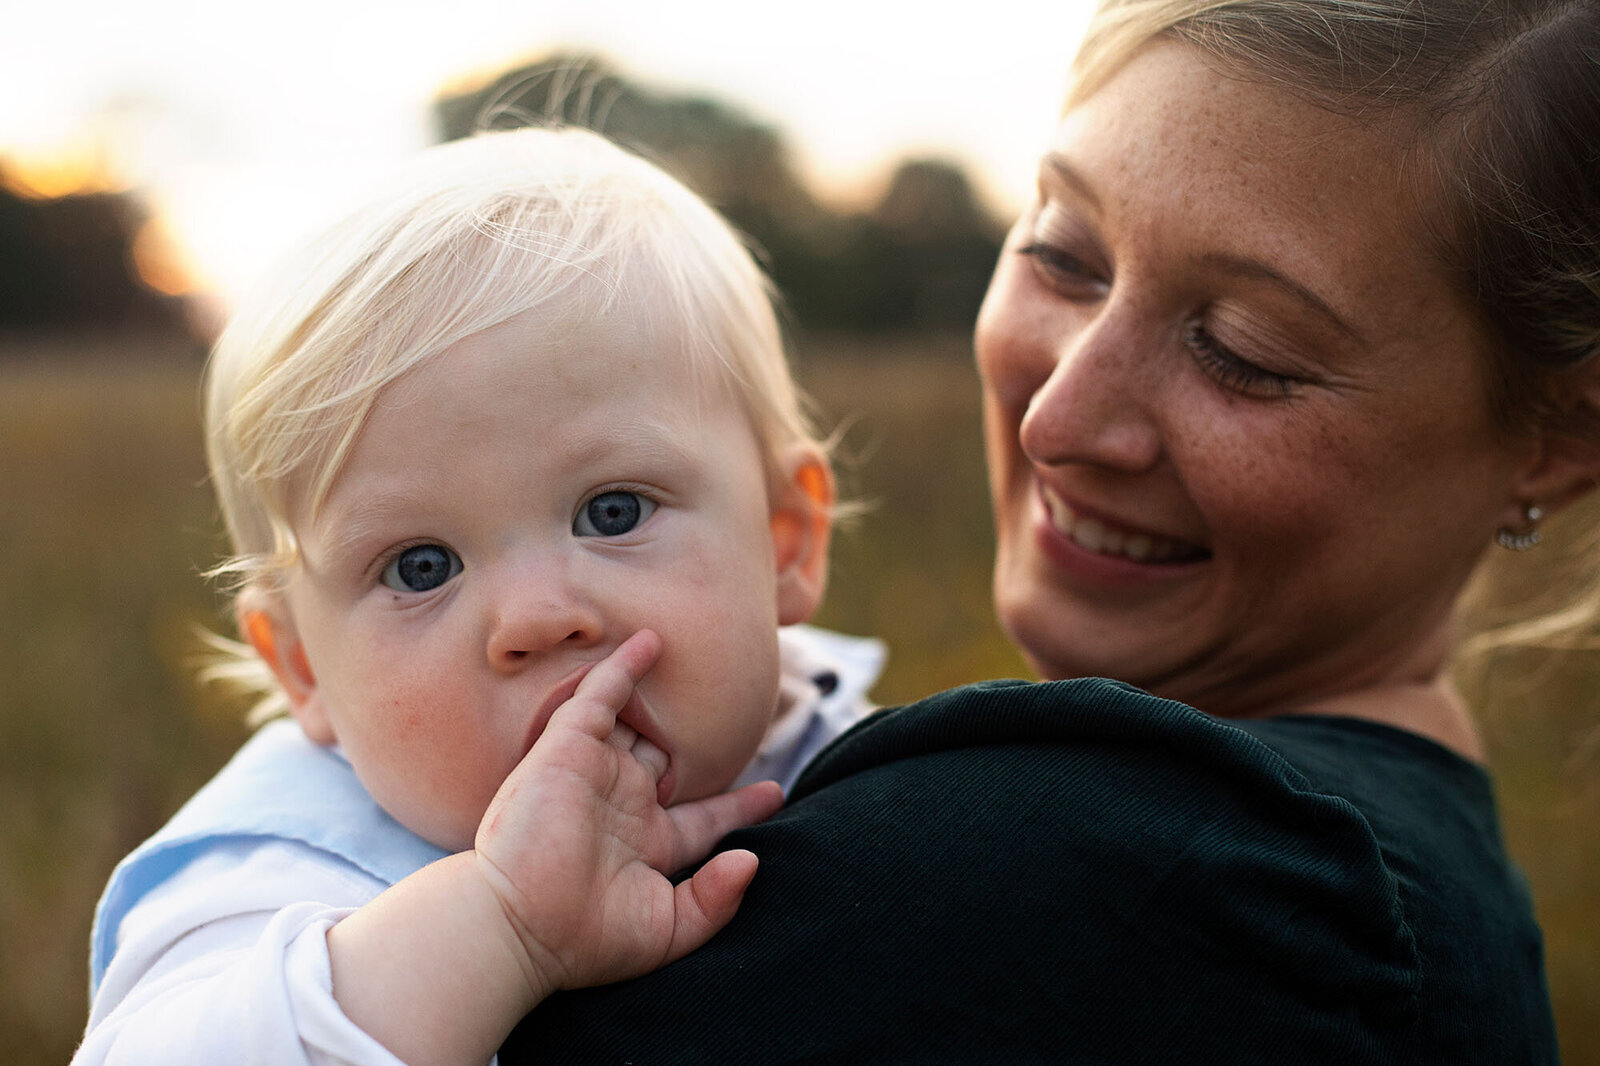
[(228, 962)]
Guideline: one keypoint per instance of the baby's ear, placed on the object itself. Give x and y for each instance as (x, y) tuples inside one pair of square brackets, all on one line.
[(265, 622), (802, 522)]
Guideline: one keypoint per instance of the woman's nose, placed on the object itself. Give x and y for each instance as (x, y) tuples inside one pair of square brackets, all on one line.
[(538, 613), (1096, 403)]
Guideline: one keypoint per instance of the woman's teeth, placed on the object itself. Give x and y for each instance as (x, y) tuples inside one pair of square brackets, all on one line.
[(1092, 535)]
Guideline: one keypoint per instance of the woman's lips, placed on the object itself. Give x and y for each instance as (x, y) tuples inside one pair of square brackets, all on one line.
[(1102, 538)]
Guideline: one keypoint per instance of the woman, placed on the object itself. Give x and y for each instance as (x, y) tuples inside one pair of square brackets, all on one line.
[(1303, 318)]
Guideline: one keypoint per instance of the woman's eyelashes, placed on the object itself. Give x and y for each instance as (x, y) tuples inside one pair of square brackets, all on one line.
[(612, 513), (1076, 275), (1062, 270), (1233, 373), (421, 568)]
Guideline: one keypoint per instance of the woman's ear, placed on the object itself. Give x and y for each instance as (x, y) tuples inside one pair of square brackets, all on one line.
[(265, 623), (802, 523), (1564, 464)]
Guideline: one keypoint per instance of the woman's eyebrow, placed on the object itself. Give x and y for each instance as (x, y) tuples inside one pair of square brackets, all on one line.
[(1057, 164), (1254, 269), (1237, 265)]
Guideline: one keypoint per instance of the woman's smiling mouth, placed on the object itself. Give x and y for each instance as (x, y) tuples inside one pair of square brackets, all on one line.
[(1094, 535)]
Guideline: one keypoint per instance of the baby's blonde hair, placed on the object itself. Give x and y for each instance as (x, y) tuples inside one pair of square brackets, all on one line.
[(556, 221)]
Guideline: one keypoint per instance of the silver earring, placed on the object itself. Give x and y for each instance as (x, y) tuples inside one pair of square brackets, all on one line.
[(1520, 542)]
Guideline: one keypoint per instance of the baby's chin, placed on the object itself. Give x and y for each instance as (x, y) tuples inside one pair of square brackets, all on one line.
[(446, 838), (692, 783), (438, 824)]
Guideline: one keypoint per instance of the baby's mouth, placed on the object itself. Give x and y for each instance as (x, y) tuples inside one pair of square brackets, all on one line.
[(1096, 536), (563, 692)]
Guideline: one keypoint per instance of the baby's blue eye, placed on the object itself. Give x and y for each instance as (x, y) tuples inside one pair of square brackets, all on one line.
[(419, 569), (612, 514)]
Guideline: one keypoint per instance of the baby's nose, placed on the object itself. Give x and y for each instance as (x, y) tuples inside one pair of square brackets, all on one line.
[(532, 622)]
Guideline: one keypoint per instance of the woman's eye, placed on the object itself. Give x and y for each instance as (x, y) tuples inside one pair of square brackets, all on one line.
[(1062, 270), (1233, 373), (420, 569), (612, 514)]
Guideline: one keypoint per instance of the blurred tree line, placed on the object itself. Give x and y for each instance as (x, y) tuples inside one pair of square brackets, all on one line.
[(919, 259), (68, 261)]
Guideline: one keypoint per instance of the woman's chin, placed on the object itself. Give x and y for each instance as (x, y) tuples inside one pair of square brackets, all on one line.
[(1108, 617), (1061, 644)]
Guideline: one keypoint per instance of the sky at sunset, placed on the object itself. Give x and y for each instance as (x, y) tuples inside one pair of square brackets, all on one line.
[(245, 125)]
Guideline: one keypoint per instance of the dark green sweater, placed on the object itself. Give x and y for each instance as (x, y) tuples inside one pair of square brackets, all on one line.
[(1080, 872)]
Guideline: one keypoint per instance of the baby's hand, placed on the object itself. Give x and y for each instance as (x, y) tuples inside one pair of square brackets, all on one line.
[(578, 848)]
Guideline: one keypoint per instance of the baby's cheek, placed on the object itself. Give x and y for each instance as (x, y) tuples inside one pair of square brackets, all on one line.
[(441, 795), (732, 740)]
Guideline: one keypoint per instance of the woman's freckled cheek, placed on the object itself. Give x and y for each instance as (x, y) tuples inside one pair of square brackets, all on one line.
[(1353, 463), (1246, 478)]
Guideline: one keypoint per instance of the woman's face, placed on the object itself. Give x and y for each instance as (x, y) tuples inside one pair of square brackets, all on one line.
[(1239, 442)]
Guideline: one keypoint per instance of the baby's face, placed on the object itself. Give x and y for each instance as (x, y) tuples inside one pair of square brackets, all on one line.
[(514, 510)]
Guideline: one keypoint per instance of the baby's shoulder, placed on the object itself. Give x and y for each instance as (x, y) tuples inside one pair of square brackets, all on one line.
[(282, 812)]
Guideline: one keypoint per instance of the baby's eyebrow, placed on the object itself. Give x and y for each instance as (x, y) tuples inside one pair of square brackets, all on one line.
[(343, 530), (645, 439)]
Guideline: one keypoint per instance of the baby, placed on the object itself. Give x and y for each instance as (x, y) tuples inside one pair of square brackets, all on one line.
[(521, 492)]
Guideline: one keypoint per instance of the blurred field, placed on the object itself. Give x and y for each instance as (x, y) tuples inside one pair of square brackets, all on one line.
[(105, 524)]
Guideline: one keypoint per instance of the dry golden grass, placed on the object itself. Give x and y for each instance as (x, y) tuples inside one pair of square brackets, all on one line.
[(106, 523)]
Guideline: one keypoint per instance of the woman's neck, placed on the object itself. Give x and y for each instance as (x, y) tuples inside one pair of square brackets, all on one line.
[(1430, 709)]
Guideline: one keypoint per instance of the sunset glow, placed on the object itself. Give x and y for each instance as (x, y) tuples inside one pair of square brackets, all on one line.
[(243, 128), (71, 170)]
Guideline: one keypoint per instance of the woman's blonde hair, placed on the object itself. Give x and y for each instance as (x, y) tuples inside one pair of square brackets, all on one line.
[(560, 222)]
